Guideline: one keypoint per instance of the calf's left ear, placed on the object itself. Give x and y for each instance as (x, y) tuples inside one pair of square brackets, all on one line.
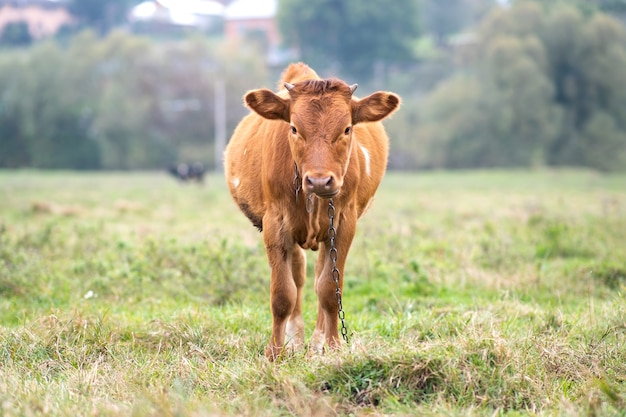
[(267, 104), (374, 107)]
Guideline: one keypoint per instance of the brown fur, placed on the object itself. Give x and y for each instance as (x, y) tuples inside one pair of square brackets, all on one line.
[(340, 149)]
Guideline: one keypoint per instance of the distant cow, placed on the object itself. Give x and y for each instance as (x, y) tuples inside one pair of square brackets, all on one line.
[(308, 144), (188, 172)]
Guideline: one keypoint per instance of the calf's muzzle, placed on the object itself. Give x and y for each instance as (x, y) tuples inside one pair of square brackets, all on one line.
[(322, 185)]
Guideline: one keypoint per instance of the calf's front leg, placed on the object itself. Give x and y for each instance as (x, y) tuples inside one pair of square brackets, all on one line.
[(283, 290), (295, 324), (326, 329)]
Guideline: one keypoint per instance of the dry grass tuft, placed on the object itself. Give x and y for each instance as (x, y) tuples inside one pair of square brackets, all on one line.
[(43, 207)]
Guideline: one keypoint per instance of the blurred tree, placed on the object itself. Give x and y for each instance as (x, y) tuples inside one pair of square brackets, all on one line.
[(50, 106), (126, 70), (443, 18), (16, 34), (98, 14), (158, 100), (601, 143), (358, 36), (604, 5), (13, 148), (452, 113), (616, 8), (613, 6), (586, 65), (118, 102), (546, 88)]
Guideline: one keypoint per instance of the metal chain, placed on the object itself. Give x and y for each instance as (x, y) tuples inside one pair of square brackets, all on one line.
[(332, 234), (310, 203), (297, 184)]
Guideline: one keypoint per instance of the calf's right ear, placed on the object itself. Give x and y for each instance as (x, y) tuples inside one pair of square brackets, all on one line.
[(267, 104)]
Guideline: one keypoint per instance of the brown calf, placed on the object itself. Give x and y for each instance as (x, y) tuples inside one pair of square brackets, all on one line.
[(315, 137)]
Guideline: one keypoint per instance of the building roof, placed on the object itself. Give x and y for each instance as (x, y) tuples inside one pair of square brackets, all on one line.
[(251, 9), (181, 12), (201, 7)]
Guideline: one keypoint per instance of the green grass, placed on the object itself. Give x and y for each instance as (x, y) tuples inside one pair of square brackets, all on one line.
[(467, 293)]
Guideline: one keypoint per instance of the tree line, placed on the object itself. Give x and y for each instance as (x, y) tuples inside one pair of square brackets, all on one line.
[(536, 83), (118, 102), (542, 85)]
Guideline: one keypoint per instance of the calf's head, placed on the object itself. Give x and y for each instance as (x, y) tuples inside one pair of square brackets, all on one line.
[(321, 115)]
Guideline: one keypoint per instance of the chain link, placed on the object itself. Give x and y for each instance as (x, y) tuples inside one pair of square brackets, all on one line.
[(332, 235), (297, 184), (310, 203)]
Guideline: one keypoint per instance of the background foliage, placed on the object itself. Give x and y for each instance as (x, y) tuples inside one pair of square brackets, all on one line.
[(535, 83), (117, 102), (537, 88), (98, 14), (355, 35)]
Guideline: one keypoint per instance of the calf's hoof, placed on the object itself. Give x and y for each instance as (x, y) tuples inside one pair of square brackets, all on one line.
[(273, 352)]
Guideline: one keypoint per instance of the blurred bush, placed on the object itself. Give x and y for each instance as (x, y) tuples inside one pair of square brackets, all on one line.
[(118, 102), (541, 85), (536, 83)]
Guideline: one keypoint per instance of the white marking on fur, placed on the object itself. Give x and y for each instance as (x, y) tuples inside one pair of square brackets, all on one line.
[(317, 341), (294, 333), (235, 182), (291, 333), (366, 155)]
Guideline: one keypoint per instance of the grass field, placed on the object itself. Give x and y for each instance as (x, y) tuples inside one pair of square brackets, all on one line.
[(469, 293)]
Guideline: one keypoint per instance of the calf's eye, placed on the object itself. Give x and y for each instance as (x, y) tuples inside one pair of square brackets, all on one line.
[(347, 131), (294, 131)]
